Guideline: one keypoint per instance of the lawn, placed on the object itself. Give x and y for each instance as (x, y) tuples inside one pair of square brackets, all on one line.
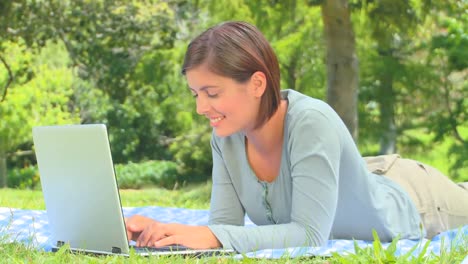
[(196, 197)]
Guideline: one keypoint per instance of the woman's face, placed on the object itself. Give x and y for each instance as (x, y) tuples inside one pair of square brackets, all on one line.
[(230, 106)]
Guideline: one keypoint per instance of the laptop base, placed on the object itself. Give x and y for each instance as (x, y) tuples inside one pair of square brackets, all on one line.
[(150, 251)]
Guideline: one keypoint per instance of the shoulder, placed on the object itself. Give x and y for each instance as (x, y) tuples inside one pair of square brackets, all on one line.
[(312, 125), (314, 134), (305, 109)]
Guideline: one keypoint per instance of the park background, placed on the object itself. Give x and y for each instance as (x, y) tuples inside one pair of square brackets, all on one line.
[(400, 84)]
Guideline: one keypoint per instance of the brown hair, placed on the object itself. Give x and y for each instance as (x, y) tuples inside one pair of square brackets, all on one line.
[(237, 50)]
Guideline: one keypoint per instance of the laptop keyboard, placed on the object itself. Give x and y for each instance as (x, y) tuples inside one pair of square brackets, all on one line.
[(160, 249)]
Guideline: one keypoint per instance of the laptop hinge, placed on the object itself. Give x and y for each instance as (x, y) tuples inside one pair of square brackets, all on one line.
[(60, 244), (116, 250)]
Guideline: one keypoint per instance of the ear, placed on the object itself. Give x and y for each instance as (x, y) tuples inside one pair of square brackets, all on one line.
[(258, 83)]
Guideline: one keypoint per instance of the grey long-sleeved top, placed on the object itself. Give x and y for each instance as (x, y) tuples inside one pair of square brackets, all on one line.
[(323, 190)]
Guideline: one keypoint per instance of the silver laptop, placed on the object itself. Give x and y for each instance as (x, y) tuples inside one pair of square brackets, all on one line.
[(81, 192)]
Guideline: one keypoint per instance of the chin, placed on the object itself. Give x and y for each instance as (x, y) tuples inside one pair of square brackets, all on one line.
[(223, 133)]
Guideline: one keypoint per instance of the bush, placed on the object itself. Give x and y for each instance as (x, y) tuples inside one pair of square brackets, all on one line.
[(24, 178), (138, 175), (129, 176)]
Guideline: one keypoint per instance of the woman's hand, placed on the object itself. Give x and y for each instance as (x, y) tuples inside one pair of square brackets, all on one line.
[(147, 232)]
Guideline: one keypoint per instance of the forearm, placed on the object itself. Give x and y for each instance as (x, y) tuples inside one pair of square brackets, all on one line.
[(247, 239)]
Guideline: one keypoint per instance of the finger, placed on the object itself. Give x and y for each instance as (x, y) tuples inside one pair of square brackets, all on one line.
[(149, 235), (133, 236), (167, 241), (155, 237), (133, 231), (155, 233)]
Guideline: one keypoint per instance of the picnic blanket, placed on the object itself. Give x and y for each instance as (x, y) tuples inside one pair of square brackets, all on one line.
[(31, 228)]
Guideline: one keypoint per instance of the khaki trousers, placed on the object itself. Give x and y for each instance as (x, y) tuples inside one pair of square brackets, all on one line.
[(442, 204)]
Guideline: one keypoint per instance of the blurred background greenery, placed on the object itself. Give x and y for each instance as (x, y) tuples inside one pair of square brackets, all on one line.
[(118, 63)]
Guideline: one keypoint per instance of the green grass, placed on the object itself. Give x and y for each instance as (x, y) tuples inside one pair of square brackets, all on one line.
[(197, 197), (194, 197)]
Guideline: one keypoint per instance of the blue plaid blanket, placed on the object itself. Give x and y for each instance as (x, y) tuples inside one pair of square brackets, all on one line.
[(31, 228)]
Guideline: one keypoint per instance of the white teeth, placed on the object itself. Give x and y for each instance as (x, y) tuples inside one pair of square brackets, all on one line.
[(216, 119)]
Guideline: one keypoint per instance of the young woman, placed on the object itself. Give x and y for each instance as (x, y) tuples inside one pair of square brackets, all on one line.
[(289, 163)]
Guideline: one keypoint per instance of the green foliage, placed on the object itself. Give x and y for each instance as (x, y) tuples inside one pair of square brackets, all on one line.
[(119, 36), (118, 63), (109, 37), (193, 152), (11, 111), (450, 56), (408, 75), (24, 178), (453, 41), (147, 108), (40, 94), (388, 77), (129, 176), (146, 174)]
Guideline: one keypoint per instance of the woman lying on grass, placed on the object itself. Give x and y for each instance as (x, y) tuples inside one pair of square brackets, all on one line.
[(289, 163)]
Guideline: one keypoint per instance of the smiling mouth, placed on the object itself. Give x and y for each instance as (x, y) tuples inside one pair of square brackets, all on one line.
[(217, 119)]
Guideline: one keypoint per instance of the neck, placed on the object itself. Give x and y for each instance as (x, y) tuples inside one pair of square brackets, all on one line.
[(269, 136)]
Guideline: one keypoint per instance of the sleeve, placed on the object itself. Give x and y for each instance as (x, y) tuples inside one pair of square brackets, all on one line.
[(225, 207), (314, 149), (315, 161)]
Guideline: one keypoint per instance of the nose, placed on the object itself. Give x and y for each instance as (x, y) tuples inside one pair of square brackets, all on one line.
[(202, 105)]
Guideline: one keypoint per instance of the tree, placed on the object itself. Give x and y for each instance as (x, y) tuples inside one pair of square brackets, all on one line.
[(392, 33), (125, 57), (450, 57), (411, 76), (342, 62), (106, 41), (37, 100)]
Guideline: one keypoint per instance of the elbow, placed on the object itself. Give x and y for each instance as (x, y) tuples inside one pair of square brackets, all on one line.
[(314, 238)]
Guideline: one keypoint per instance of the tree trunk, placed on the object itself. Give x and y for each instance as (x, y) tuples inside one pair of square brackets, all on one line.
[(3, 169), (291, 71), (342, 63)]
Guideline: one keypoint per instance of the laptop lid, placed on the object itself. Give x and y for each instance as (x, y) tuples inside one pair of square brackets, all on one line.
[(81, 192), (80, 188)]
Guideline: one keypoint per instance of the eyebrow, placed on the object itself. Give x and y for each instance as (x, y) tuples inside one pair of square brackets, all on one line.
[(203, 88)]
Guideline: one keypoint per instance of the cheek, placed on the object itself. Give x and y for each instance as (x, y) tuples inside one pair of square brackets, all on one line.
[(242, 110), (237, 106), (226, 106)]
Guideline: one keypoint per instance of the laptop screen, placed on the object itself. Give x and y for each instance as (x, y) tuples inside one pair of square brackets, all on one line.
[(80, 188)]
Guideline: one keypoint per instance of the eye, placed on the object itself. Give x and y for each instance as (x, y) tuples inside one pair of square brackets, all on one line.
[(212, 95)]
